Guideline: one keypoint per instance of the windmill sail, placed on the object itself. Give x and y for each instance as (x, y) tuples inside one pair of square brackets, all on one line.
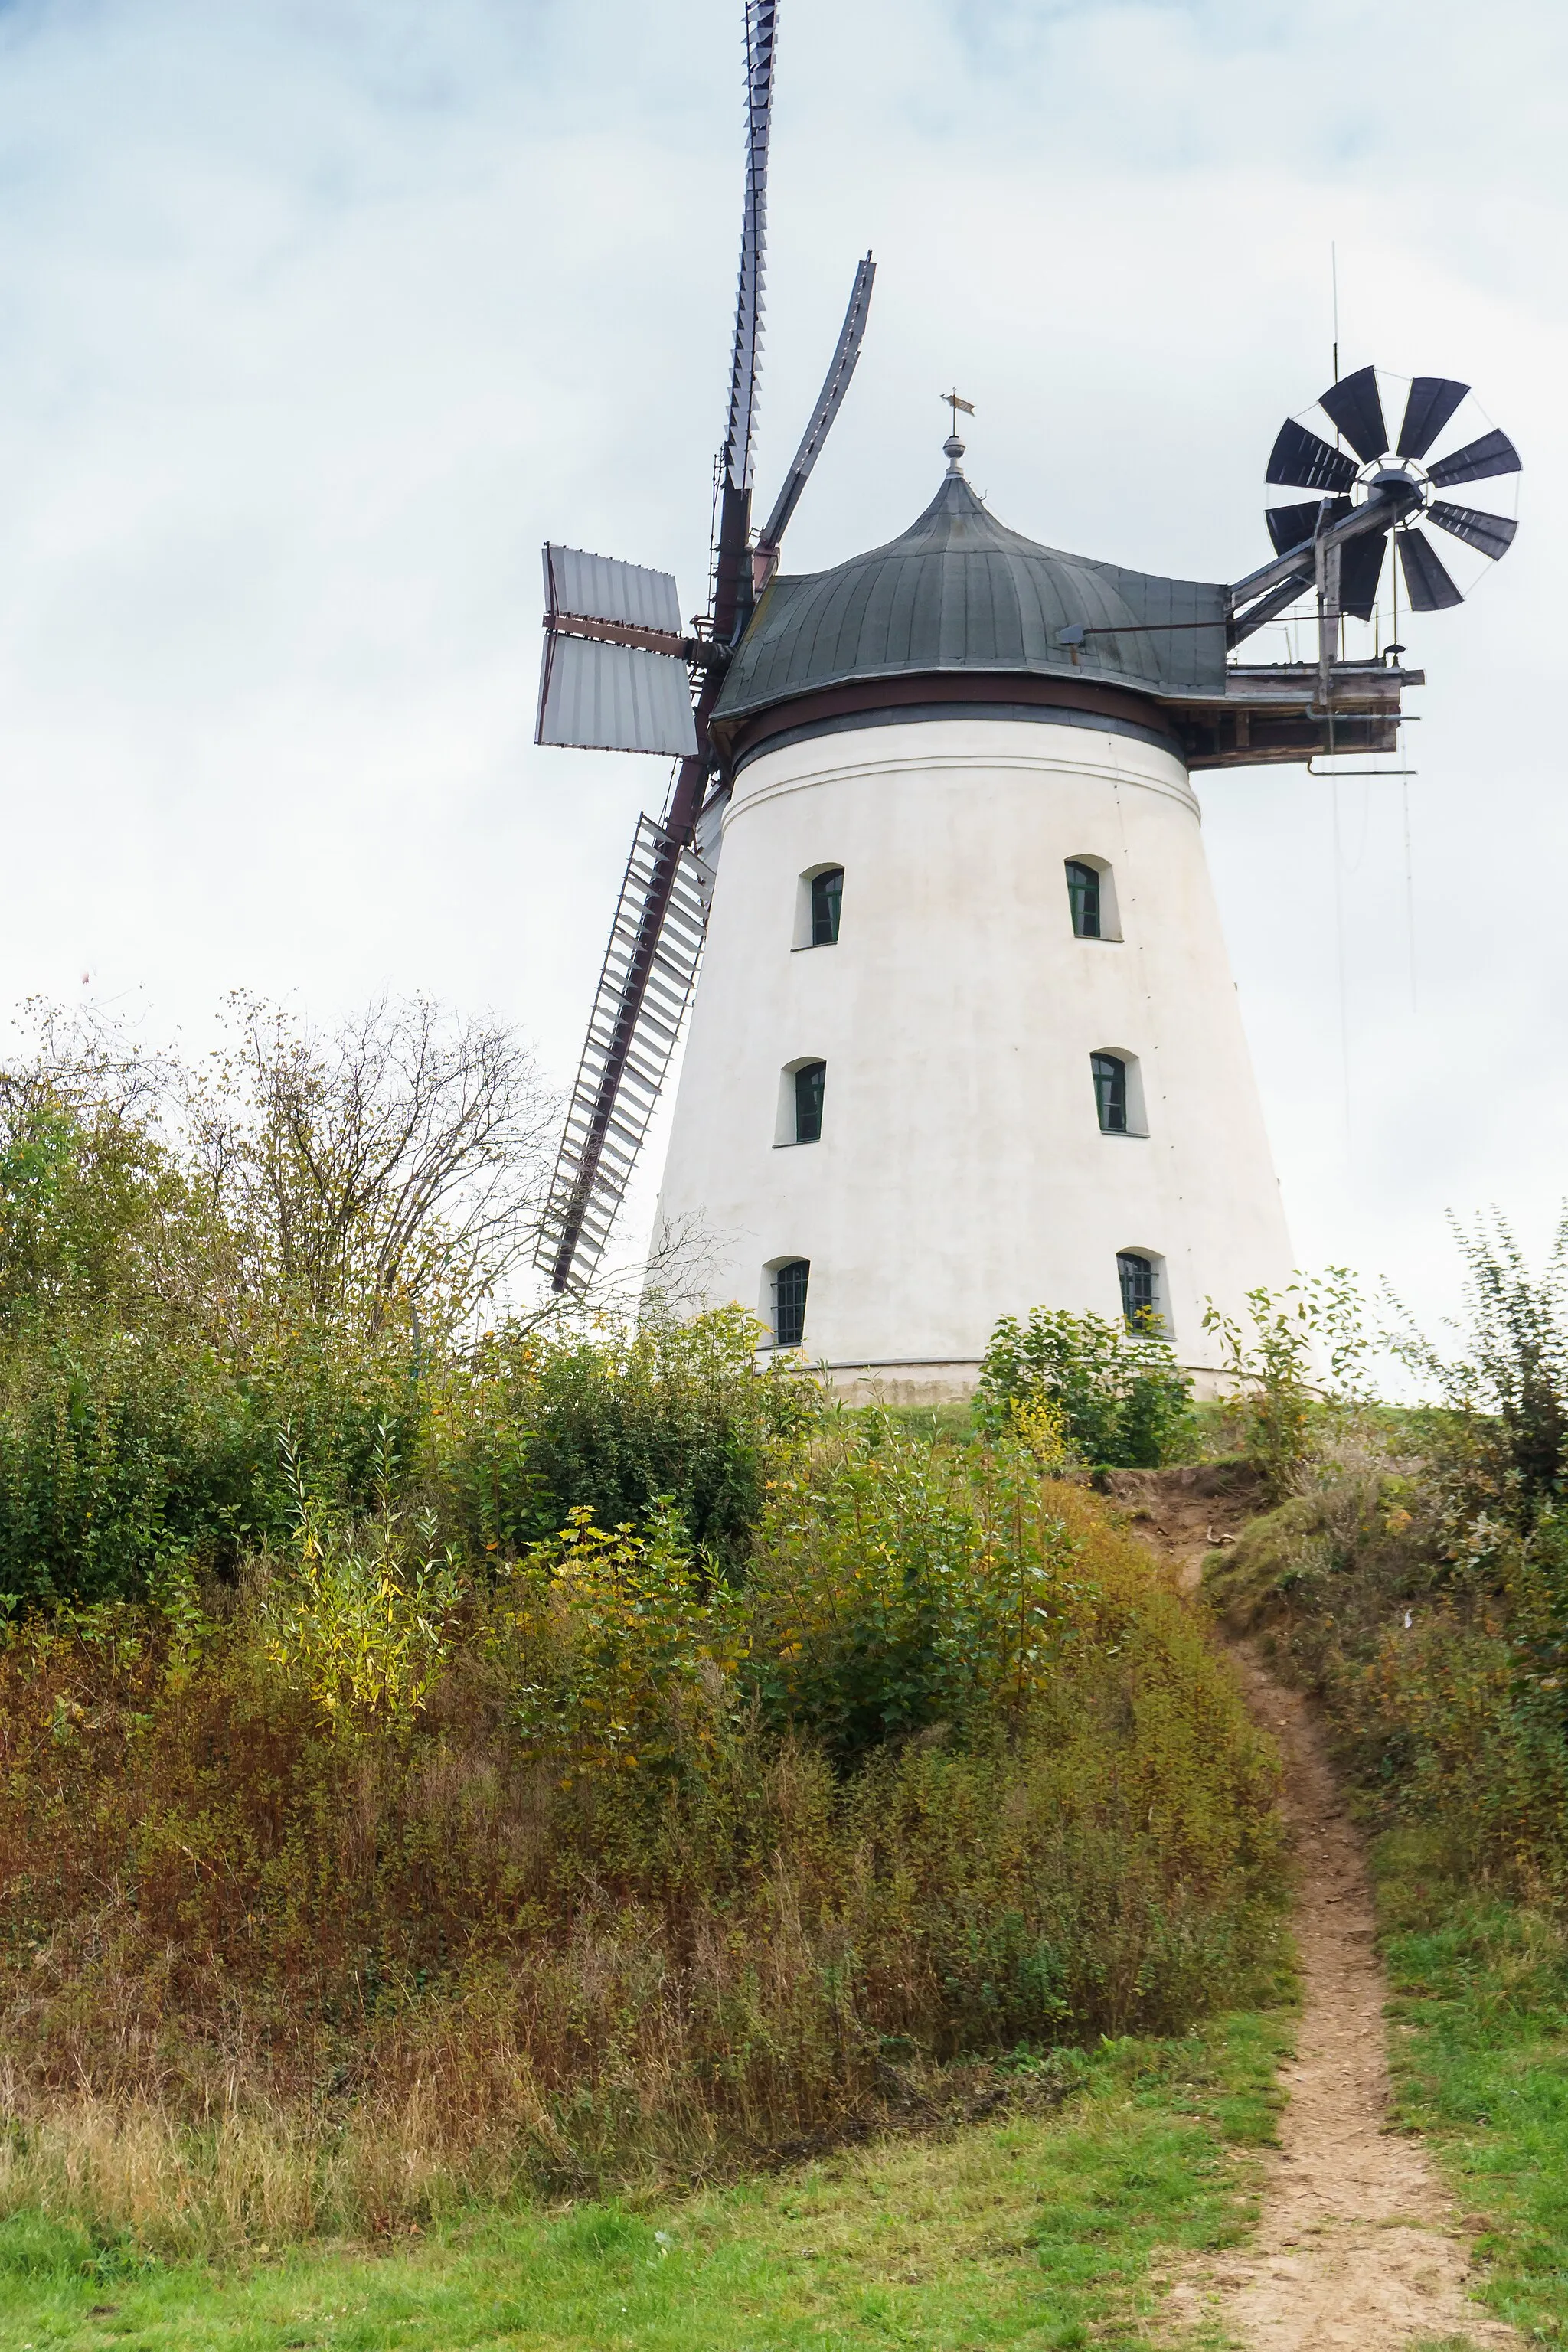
[(641, 1001), (829, 402), (614, 674), (746, 358)]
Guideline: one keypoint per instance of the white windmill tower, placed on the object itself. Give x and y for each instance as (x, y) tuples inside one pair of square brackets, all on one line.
[(965, 1039)]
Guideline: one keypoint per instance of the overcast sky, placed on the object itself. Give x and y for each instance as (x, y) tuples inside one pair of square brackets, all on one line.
[(316, 317)]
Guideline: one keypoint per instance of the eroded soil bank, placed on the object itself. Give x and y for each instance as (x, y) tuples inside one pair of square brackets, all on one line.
[(1358, 2244)]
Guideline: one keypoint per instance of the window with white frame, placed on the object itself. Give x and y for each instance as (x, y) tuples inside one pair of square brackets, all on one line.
[(1092, 898), (802, 1090), (819, 902), (1117, 1084), (1141, 1275), (787, 1284)]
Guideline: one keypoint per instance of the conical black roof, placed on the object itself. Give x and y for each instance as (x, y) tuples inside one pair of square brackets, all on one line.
[(960, 591)]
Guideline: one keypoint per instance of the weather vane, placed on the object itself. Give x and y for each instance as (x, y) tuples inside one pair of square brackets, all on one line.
[(956, 404)]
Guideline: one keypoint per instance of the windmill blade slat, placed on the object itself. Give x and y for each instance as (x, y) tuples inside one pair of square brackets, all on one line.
[(671, 944), (615, 1046), (665, 990), (620, 1152), (628, 1054), (682, 937), (1494, 453), (660, 1030), (689, 907), (599, 588), (618, 1161), (626, 955), (1361, 569), (1301, 460), (687, 912), (1493, 534), (607, 698), (1433, 400), (1293, 526), (635, 1074), (667, 978), (1431, 589), (1356, 408), (617, 1042), (659, 1021)]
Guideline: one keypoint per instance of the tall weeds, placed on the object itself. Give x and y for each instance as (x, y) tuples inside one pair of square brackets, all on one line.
[(646, 1870)]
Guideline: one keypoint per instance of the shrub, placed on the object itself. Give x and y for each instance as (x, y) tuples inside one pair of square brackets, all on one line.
[(116, 1455), (1279, 1391), (1121, 1398), (1510, 1390), (528, 1427), (1426, 1597), (1434, 1633), (897, 1586)]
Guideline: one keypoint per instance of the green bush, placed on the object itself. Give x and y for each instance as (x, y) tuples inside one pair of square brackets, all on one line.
[(1278, 1402), (896, 1586), (1123, 1399), (529, 1427), (117, 1454)]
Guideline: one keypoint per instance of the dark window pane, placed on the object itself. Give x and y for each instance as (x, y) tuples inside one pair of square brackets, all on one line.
[(809, 1083), (789, 1302), (1137, 1278), (1111, 1091), (1083, 891), (826, 897)]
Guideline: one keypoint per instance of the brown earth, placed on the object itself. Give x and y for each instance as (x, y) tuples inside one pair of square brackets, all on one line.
[(1358, 2244)]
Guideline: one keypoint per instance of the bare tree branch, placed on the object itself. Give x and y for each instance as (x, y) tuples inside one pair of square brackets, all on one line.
[(398, 1164)]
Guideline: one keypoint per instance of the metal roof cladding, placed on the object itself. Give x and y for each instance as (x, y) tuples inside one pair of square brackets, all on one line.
[(960, 591)]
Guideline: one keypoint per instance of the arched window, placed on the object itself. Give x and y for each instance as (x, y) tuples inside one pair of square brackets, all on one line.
[(826, 899), (1083, 894), (1091, 898), (802, 1086), (810, 1086), (1110, 1092), (1118, 1078), (1140, 1301), (789, 1283), (819, 900)]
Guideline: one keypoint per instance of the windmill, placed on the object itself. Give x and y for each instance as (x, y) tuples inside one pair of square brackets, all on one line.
[(965, 1039), (620, 674)]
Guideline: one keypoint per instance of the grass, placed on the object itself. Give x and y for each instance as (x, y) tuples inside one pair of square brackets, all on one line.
[(1038, 2231), (1481, 2060)]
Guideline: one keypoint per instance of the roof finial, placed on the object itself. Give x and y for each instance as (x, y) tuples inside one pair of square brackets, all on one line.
[(953, 447)]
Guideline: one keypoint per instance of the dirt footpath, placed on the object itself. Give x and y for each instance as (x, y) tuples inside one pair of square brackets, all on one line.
[(1358, 2244)]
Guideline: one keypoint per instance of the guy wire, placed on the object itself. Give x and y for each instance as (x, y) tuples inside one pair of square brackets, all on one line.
[(1339, 945), (1409, 879)]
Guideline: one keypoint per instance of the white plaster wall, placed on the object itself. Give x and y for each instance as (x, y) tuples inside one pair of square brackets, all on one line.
[(961, 1174)]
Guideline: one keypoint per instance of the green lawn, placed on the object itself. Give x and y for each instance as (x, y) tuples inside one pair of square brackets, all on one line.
[(1033, 2231), (1480, 2056)]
